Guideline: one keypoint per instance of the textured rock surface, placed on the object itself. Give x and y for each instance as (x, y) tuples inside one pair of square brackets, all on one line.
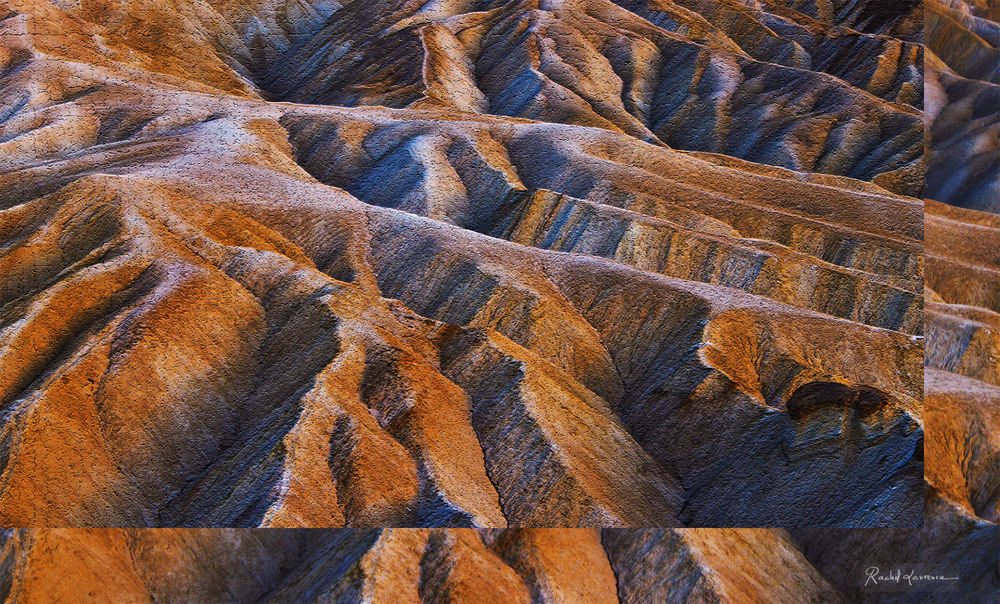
[(962, 378), (410, 565), (487, 264), (960, 537), (545, 289), (963, 90), (495, 565)]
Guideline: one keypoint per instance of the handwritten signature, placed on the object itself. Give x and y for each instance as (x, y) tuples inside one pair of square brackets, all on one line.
[(875, 576)]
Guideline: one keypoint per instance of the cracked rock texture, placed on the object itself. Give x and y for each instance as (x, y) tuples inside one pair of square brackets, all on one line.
[(461, 264)]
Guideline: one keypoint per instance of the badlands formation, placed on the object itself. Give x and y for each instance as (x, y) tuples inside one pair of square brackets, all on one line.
[(491, 265), (460, 264), (962, 281)]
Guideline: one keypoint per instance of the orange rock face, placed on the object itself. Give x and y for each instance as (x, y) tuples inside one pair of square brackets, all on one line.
[(521, 276)]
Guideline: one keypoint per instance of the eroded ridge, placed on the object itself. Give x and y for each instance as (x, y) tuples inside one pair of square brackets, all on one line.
[(963, 239), (222, 310), (409, 565), (606, 566), (960, 536)]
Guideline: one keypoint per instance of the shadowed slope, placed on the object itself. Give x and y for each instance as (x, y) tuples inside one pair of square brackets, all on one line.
[(429, 565), (222, 311), (959, 538), (963, 313), (763, 82)]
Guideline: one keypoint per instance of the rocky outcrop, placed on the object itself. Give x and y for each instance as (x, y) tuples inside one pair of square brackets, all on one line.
[(498, 565), (958, 545), (504, 302), (410, 565), (963, 87), (528, 278), (708, 76), (963, 314)]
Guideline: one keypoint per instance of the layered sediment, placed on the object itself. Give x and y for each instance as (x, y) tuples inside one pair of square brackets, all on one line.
[(962, 376), (960, 537), (483, 268), (523, 274)]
